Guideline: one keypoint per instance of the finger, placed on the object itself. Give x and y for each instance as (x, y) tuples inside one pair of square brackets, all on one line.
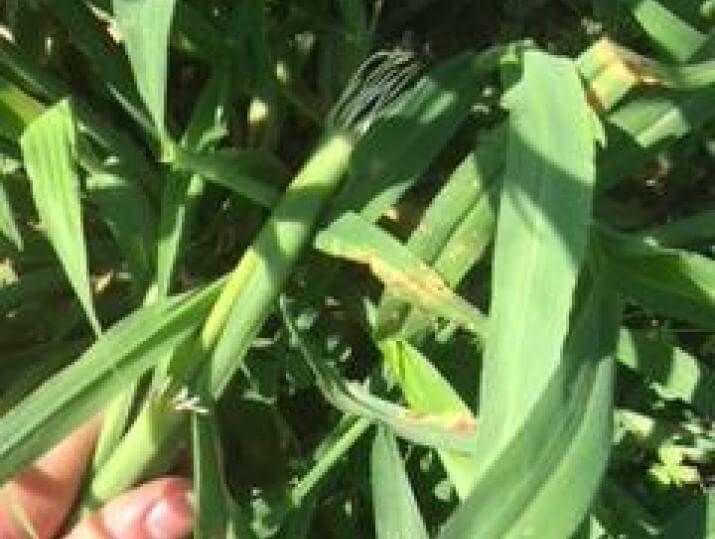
[(43, 494), (158, 510)]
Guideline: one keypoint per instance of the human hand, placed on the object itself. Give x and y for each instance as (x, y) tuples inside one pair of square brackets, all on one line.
[(43, 496)]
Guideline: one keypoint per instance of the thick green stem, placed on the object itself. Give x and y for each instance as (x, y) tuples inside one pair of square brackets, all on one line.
[(237, 316)]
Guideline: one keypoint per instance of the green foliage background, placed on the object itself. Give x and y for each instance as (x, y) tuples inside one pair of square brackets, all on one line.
[(393, 270)]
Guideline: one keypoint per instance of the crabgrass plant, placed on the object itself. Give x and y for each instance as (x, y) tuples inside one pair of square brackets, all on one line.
[(371, 293)]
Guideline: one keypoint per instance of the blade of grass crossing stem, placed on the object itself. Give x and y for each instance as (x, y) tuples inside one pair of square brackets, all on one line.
[(562, 447), (542, 228), (79, 391), (145, 26), (211, 510), (49, 151), (427, 391), (333, 448), (675, 373), (238, 314), (402, 272), (671, 34), (670, 282), (402, 144), (396, 512)]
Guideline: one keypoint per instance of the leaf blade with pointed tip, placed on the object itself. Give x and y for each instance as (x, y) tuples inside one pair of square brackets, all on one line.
[(48, 149), (145, 27)]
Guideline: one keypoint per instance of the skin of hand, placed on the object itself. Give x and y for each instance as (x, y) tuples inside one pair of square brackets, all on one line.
[(45, 493)]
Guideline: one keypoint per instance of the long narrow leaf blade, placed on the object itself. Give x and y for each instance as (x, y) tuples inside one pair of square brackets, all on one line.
[(83, 388), (48, 149), (673, 35), (562, 448), (544, 211), (396, 513), (145, 27)]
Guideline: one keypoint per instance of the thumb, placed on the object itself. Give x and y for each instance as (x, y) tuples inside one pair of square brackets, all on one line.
[(157, 510)]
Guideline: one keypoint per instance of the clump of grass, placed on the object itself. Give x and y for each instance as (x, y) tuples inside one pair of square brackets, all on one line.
[(370, 295)]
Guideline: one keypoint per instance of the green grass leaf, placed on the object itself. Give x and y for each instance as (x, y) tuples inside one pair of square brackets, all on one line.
[(17, 110), (145, 26), (427, 391), (449, 429), (79, 391), (454, 231), (8, 226), (211, 508), (698, 228), (396, 513), (670, 282), (403, 273), (675, 373), (542, 230), (648, 124), (563, 446), (182, 191), (49, 153), (251, 174), (89, 37)]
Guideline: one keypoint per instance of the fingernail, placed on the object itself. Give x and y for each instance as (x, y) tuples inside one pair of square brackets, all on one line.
[(171, 518)]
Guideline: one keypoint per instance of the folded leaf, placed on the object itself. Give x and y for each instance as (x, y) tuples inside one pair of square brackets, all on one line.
[(447, 429)]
